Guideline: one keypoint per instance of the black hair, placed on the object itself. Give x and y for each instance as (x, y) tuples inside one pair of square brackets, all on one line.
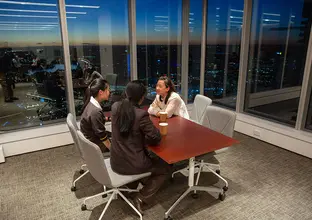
[(94, 75), (135, 91), (93, 90), (169, 84)]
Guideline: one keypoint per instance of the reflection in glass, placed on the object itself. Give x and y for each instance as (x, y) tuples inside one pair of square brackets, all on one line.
[(279, 39), (159, 41), (32, 82), (99, 44), (224, 27)]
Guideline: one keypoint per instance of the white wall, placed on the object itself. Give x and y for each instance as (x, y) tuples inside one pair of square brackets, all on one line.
[(282, 136), (20, 142)]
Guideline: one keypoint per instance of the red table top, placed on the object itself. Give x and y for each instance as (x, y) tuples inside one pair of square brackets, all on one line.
[(186, 139)]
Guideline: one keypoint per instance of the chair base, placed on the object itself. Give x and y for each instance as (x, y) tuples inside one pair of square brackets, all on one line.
[(213, 168), (195, 188), (114, 193), (83, 172), (184, 171)]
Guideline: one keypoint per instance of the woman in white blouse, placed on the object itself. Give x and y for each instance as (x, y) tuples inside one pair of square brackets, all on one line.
[(167, 100)]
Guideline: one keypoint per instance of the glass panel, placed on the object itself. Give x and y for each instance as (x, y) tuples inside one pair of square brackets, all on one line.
[(309, 115), (31, 65), (99, 41), (159, 41), (224, 27), (195, 27), (279, 38)]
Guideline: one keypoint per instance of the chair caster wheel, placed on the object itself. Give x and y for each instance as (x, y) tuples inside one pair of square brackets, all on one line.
[(83, 207), (81, 171), (73, 188), (222, 197), (225, 188), (169, 218), (195, 196), (218, 172)]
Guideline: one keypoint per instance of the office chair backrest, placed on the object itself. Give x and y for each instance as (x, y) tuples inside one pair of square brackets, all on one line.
[(94, 160), (220, 120), (200, 104), (73, 128), (70, 118)]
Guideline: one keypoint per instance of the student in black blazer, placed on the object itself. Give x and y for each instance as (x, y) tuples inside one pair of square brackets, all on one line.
[(132, 131)]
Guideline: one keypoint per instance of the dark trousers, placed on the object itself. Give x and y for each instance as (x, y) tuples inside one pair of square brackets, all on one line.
[(160, 172), (7, 89)]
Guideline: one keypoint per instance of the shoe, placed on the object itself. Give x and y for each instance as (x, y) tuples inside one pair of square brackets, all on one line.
[(8, 100), (14, 98), (138, 204), (129, 195)]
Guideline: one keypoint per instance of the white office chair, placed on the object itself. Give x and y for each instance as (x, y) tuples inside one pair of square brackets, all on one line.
[(200, 104), (222, 121), (199, 107), (73, 128), (102, 172)]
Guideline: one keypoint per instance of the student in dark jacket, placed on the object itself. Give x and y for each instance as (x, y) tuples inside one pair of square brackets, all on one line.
[(132, 131), (92, 123)]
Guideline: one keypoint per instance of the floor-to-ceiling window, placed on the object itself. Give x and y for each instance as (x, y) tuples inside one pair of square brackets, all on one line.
[(278, 45), (158, 26), (309, 115), (224, 26), (32, 91), (195, 32), (99, 41)]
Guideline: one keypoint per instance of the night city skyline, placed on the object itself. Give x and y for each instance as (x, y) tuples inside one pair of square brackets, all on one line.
[(157, 22)]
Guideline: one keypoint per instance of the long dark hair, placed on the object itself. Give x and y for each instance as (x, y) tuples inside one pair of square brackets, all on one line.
[(169, 84), (93, 90), (134, 92)]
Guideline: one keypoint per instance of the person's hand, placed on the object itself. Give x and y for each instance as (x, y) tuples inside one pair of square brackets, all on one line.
[(158, 114), (107, 143)]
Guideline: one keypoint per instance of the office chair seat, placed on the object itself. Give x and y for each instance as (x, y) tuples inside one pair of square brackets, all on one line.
[(118, 180)]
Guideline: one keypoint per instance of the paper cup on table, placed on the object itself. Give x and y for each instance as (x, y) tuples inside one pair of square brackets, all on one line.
[(163, 116), (163, 128)]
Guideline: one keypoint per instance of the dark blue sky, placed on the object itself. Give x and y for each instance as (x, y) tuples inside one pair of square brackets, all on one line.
[(158, 21)]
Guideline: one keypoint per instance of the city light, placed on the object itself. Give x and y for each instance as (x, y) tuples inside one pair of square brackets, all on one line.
[(40, 11), (47, 4), (271, 20), (235, 10), (160, 16), (236, 17), (25, 29), (30, 25), (32, 16), (238, 22), (28, 22), (271, 14)]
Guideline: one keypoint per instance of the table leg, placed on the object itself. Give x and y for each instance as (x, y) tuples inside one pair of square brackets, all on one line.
[(190, 184), (192, 187), (191, 171)]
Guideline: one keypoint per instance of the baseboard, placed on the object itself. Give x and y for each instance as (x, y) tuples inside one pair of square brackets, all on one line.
[(36, 144), (2, 159), (282, 136), (54, 136)]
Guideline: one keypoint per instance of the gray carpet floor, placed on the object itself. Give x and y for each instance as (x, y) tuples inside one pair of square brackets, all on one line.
[(265, 182)]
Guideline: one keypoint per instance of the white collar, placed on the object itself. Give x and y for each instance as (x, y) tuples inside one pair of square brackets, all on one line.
[(95, 102)]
